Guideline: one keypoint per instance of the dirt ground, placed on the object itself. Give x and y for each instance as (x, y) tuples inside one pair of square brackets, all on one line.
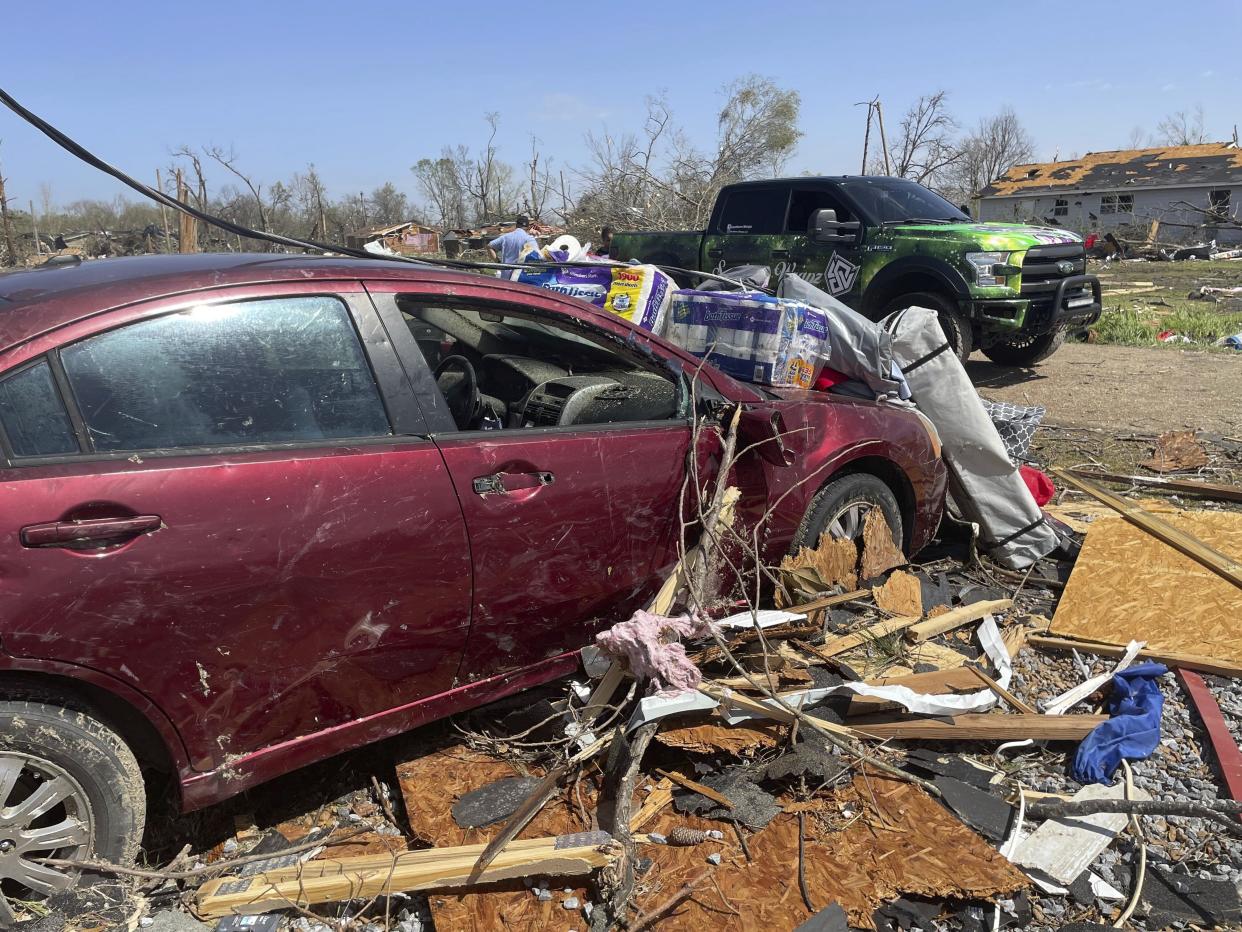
[(1122, 388)]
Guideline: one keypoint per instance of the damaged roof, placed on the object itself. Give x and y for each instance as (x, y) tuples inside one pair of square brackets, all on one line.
[(1210, 163)]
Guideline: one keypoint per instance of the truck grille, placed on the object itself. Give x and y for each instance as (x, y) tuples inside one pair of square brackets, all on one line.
[(1042, 271)]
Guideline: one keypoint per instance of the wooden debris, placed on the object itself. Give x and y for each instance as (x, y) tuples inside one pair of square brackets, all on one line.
[(1197, 662), (1228, 757), (775, 712), (659, 797), (879, 553), (433, 869), (984, 727), (710, 738), (1063, 848), (879, 629), (956, 618), (686, 783), (832, 563), (814, 609), (1177, 449), (1014, 702), (1224, 566), (901, 594), (1226, 493)]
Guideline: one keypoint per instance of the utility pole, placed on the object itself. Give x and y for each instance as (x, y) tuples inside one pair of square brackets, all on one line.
[(188, 225), (879, 115), (35, 225), (159, 183), (8, 227), (866, 137)]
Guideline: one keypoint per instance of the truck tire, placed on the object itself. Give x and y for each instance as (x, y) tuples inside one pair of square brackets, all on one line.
[(72, 789), (840, 508), (1025, 350), (953, 322)]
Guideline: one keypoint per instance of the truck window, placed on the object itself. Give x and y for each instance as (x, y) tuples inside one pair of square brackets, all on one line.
[(753, 211), (803, 204)]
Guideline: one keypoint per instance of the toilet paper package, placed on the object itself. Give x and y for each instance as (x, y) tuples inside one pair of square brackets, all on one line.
[(639, 293)]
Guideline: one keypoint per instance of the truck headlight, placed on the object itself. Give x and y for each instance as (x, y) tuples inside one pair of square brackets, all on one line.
[(985, 266)]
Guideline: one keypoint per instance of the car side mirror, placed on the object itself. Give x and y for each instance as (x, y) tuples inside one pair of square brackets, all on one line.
[(826, 228)]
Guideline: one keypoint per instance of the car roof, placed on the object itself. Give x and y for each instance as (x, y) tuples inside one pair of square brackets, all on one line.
[(36, 301)]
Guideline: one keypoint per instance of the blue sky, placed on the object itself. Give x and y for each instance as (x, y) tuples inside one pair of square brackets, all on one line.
[(364, 89)]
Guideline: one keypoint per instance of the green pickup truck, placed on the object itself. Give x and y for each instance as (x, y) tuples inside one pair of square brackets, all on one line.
[(883, 244)]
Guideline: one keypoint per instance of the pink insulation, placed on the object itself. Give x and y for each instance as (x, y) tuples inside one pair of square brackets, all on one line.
[(650, 647)]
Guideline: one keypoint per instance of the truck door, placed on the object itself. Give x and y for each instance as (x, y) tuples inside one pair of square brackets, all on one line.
[(835, 267), (747, 228)]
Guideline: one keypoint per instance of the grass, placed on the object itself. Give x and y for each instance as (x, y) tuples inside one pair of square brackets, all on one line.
[(1143, 299)]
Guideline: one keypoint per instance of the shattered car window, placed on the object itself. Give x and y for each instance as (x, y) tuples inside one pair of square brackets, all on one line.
[(284, 370), (35, 420)]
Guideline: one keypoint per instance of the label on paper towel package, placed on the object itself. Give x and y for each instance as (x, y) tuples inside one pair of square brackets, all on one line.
[(639, 293), (752, 336)]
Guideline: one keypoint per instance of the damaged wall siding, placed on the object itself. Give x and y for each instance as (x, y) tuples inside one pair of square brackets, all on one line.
[(1084, 210)]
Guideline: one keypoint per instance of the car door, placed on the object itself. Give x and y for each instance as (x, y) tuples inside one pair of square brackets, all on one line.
[(245, 521), (571, 527), (834, 267), (747, 228)]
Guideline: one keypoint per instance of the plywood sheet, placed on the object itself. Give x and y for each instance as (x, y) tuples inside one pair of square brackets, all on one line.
[(879, 553), (1127, 585), (905, 842), (901, 594), (709, 738)]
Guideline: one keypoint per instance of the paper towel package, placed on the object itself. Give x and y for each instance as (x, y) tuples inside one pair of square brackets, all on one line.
[(752, 336), (639, 293)]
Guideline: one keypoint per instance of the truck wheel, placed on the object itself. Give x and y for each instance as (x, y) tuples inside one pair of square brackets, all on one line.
[(1025, 350), (840, 508), (69, 788), (952, 321)]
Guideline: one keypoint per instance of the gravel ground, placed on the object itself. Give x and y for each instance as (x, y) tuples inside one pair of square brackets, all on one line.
[(1181, 769)]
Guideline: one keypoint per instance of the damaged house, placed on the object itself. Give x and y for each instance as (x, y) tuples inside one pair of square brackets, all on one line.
[(1187, 188)]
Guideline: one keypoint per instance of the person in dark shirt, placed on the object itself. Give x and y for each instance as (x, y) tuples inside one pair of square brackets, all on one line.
[(605, 242)]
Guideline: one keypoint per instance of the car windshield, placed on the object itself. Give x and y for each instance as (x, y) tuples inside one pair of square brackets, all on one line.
[(896, 200)]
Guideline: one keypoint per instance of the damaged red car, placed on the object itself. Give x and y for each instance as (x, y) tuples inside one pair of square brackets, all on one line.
[(258, 510)]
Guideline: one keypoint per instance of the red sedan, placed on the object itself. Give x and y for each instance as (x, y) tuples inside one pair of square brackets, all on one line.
[(258, 510)]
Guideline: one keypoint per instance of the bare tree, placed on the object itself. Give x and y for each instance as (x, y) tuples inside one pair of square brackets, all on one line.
[(229, 161), (1138, 138), (442, 182), (388, 206), (924, 146), (1183, 128), (995, 146)]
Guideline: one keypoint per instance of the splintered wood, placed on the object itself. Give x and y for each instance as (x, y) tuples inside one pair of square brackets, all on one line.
[(832, 563), (879, 553), (904, 842), (1127, 585), (1177, 449), (901, 594), (708, 738)]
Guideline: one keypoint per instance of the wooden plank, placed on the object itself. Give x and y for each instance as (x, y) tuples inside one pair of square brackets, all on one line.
[(956, 618), (840, 645), (984, 727), (1061, 849), (1214, 490), (694, 785), (726, 697), (433, 869), (1001, 691), (828, 601), (659, 797), (1224, 566), (1170, 658), (1219, 736)]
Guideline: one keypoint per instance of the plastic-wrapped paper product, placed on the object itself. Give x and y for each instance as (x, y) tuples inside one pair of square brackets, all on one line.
[(639, 293), (752, 336)]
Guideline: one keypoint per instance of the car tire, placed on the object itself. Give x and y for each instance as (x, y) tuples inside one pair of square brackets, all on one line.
[(953, 322), (1025, 351), (854, 494), (91, 798)]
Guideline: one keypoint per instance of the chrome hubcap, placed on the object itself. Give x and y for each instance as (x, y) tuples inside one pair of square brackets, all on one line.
[(44, 813), (847, 524)]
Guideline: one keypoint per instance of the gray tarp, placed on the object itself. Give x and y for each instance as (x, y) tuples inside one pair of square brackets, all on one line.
[(983, 483)]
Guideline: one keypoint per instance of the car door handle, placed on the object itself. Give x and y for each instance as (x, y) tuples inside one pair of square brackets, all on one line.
[(780, 253), (67, 533), (502, 483), (715, 253)]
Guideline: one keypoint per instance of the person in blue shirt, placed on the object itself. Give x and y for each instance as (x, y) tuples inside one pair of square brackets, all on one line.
[(508, 246)]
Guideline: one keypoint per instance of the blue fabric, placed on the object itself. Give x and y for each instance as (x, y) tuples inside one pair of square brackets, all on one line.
[(1132, 733), (509, 245)]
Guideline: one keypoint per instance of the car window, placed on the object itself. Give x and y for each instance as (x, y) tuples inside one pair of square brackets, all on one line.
[(804, 203), (252, 372), (753, 211), (532, 371), (34, 417)]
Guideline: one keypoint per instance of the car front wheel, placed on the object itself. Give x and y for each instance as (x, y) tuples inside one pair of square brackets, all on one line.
[(840, 510), (70, 789), (1025, 350), (953, 322)]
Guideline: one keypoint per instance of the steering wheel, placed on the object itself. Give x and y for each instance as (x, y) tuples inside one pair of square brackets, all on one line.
[(461, 394)]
